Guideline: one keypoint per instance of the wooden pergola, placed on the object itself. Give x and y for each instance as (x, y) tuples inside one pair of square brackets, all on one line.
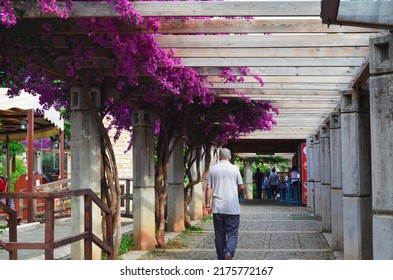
[(304, 63)]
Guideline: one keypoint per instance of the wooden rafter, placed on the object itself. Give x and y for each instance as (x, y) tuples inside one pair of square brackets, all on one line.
[(184, 9), (210, 26), (304, 63)]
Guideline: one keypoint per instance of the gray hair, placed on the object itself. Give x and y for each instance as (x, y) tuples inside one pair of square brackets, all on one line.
[(225, 153)]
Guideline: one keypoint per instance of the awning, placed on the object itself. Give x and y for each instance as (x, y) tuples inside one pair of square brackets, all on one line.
[(14, 110)]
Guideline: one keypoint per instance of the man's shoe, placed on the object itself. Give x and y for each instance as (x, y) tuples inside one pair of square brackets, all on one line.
[(228, 256)]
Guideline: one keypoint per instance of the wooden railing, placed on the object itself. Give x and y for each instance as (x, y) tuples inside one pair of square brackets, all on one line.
[(126, 197), (50, 244), (62, 205)]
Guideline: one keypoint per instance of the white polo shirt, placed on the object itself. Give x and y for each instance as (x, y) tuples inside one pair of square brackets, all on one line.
[(225, 179)]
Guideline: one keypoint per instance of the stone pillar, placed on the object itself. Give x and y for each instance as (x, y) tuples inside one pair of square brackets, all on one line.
[(175, 200), (381, 117), (326, 213), (197, 202), (38, 160), (356, 163), (143, 180), (214, 160), (248, 179), (336, 182), (86, 167), (310, 174), (317, 177)]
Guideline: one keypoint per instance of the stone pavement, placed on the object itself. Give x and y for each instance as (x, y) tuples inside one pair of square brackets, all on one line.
[(268, 231)]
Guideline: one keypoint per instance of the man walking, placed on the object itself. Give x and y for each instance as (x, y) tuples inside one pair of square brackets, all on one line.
[(223, 184)]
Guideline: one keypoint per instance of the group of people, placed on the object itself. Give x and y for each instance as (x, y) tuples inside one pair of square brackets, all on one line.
[(267, 185)]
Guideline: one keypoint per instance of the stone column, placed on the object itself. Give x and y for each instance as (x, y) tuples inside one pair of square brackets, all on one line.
[(336, 182), (86, 167), (175, 200), (356, 163), (38, 160), (197, 202), (143, 180), (317, 177), (381, 117), (310, 174), (214, 161), (325, 178), (248, 180)]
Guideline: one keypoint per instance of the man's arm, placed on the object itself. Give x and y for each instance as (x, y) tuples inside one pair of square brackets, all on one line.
[(208, 195), (241, 188)]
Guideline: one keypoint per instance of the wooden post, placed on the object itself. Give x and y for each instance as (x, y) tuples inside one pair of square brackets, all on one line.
[(30, 163), (49, 228), (88, 244), (61, 157), (8, 161)]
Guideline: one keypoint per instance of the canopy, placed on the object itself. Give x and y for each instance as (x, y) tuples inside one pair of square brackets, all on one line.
[(14, 110)]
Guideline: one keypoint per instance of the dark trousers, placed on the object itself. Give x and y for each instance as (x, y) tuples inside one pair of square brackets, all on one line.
[(274, 191), (226, 229), (259, 191)]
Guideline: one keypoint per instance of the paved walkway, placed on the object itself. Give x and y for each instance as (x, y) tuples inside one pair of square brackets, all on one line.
[(267, 231)]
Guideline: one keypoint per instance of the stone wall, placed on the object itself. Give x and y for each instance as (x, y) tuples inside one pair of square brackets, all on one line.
[(123, 157)]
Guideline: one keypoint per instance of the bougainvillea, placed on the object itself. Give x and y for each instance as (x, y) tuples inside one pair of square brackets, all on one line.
[(139, 75), (41, 144)]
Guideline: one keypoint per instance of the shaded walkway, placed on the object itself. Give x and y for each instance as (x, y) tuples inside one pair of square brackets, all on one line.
[(267, 231)]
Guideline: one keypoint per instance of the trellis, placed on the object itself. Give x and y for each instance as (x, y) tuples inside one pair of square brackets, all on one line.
[(304, 63)]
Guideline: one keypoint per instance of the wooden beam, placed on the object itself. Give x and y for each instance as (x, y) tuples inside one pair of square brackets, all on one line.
[(271, 52), (281, 92), (261, 71), (263, 41), (291, 79), (268, 25), (304, 112), (288, 134), (293, 98), (249, 62), (184, 9), (273, 62), (362, 75), (242, 41), (301, 106), (282, 86), (285, 71), (207, 26), (333, 52)]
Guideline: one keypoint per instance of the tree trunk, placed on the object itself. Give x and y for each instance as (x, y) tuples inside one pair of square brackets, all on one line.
[(187, 200), (193, 156), (161, 186)]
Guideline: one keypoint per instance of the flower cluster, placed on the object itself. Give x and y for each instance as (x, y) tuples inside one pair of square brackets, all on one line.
[(40, 144), (146, 76), (49, 6), (7, 13)]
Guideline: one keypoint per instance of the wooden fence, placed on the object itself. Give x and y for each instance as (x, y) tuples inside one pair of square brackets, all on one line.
[(50, 244), (126, 197)]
